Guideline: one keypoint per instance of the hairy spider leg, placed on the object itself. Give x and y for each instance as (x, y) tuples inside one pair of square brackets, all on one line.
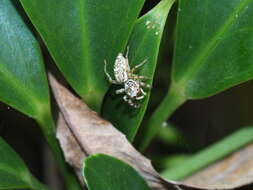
[(142, 91), (130, 102), (139, 77), (108, 75), (145, 85), (120, 91), (142, 96), (127, 52), (138, 66), (125, 98)]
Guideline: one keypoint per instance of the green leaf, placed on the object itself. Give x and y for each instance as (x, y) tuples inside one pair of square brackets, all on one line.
[(13, 171), (144, 44), (10, 181), (214, 46), (23, 81), (81, 34), (22, 77), (211, 154), (213, 51), (163, 162), (108, 173)]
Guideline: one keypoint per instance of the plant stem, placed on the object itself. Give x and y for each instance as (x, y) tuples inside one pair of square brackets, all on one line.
[(211, 154), (171, 102), (48, 128), (170, 135)]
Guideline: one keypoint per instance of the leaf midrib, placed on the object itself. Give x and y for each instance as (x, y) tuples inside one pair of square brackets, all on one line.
[(85, 44), (200, 60), (11, 80)]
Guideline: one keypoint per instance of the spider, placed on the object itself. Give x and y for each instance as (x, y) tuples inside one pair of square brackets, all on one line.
[(125, 76)]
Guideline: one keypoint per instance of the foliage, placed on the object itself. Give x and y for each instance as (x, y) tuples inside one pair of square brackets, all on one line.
[(108, 173), (144, 44), (13, 171), (212, 52), (85, 38)]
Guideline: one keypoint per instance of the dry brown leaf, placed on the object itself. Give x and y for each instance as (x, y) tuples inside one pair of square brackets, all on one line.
[(73, 152), (82, 132), (87, 134), (234, 171)]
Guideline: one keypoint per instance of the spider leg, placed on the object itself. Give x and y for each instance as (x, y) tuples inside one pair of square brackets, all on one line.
[(125, 98), (140, 77), (135, 105), (140, 97), (127, 52), (142, 91), (108, 75), (130, 102), (138, 66), (145, 85), (120, 91)]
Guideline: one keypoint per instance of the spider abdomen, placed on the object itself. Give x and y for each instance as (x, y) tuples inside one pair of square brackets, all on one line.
[(132, 88), (121, 69)]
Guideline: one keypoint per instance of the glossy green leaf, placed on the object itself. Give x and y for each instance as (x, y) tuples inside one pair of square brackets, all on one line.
[(144, 44), (13, 171), (213, 51), (23, 83), (81, 34), (22, 77), (108, 173), (214, 46)]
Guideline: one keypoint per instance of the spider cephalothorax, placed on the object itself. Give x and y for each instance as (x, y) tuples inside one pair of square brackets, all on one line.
[(125, 76)]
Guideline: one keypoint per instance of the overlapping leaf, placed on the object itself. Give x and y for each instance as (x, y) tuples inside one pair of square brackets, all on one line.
[(144, 44), (213, 48), (23, 83), (213, 52), (22, 77), (108, 173), (80, 34)]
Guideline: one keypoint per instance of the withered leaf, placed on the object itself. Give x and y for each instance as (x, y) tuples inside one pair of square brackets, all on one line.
[(82, 132), (85, 133)]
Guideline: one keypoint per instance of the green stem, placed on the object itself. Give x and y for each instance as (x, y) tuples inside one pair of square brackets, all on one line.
[(170, 135), (48, 128), (171, 102), (211, 154)]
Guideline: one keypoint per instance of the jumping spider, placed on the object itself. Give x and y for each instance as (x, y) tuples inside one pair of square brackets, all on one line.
[(125, 76)]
